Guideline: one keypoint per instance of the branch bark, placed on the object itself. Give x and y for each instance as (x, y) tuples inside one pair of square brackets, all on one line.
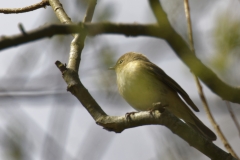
[(114, 123), (33, 7), (120, 123), (92, 29), (208, 77), (77, 44)]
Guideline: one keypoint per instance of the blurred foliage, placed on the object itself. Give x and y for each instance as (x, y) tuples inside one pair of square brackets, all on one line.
[(13, 142), (81, 4), (107, 56), (102, 12), (106, 81), (107, 13), (226, 37)]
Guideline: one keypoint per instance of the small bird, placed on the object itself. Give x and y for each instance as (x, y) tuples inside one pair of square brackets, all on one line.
[(142, 83)]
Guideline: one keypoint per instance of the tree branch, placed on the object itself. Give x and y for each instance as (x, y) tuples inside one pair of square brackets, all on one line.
[(120, 123), (41, 4), (77, 44), (114, 123), (211, 80), (117, 124), (91, 28), (60, 12), (181, 48), (201, 94), (233, 116)]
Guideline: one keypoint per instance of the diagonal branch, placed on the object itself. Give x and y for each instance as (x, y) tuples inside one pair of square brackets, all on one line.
[(201, 94), (114, 123), (60, 12), (33, 7), (120, 123), (181, 48), (233, 116), (77, 44), (75, 86)]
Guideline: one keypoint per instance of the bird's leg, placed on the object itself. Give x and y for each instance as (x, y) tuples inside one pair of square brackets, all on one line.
[(128, 115), (158, 106)]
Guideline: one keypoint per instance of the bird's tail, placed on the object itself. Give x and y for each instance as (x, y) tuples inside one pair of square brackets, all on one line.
[(199, 126)]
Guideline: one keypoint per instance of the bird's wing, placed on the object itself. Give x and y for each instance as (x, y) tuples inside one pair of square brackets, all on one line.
[(171, 83)]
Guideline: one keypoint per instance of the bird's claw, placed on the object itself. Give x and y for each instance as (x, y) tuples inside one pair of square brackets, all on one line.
[(158, 106), (128, 115)]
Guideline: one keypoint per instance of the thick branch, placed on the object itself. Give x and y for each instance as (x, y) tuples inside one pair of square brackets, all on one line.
[(120, 123), (78, 90), (41, 4), (177, 43), (91, 28)]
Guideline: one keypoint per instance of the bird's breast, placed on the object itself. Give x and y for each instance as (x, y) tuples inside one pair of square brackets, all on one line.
[(139, 88)]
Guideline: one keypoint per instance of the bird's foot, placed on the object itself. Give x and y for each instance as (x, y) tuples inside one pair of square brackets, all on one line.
[(158, 106), (128, 115)]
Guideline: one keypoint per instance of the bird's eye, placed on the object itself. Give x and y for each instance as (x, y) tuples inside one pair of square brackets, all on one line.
[(120, 61)]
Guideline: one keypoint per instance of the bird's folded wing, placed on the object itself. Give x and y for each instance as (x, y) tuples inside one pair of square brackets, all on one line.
[(171, 83)]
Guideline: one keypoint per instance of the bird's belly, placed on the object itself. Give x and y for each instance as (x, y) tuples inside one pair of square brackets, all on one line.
[(142, 91)]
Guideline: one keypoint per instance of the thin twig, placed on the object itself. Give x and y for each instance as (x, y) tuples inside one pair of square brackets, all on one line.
[(77, 44), (22, 29), (78, 40), (200, 91), (215, 125), (118, 124), (233, 116), (188, 16), (33, 7)]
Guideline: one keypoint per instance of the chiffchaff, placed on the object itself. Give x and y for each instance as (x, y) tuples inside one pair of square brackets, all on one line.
[(142, 84)]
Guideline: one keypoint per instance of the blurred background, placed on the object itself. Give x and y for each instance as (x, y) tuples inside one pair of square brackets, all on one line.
[(40, 120)]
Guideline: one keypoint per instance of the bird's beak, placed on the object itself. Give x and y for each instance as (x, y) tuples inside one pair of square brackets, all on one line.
[(112, 68)]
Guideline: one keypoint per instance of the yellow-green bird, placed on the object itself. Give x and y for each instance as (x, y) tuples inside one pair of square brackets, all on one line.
[(142, 83)]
